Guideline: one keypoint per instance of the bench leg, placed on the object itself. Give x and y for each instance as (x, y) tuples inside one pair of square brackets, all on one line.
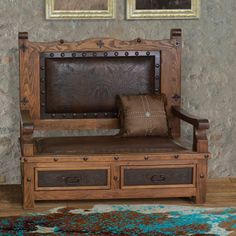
[(28, 186), (200, 197)]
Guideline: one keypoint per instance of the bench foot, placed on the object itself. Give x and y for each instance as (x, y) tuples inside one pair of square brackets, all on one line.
[(199, 199), (28, 204)]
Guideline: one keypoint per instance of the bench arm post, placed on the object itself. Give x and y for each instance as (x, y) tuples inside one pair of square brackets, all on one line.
[(26, 133), (200, 126)]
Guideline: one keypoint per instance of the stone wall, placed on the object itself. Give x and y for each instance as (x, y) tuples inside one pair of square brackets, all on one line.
[(209, 69)]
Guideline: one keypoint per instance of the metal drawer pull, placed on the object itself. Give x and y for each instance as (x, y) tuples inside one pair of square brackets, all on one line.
[(71, 180), (156, 178)]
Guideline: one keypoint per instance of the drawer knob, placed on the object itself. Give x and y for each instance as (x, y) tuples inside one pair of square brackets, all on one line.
[(157, 179), (176, 156), (202, 176), (28, 179), (85, 158), (146, 158), (55, 159), (116, 158)]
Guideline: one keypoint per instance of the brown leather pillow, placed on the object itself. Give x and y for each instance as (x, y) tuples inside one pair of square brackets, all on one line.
[(143, 115)]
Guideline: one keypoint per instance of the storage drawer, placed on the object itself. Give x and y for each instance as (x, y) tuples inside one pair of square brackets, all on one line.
[(72, 178), (160, 175)]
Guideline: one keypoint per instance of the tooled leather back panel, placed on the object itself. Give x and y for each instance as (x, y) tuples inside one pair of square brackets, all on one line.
[(91, 85)]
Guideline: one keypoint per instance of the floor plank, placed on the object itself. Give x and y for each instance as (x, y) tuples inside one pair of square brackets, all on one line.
[(220, 193)]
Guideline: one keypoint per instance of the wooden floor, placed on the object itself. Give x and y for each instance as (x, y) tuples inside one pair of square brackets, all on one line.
[(220, 193)]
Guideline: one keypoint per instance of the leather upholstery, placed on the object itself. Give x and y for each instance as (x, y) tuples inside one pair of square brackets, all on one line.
[(80, 85), (105, 145)]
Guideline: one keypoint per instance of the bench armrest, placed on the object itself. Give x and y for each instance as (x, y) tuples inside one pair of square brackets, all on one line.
[(200, 142), (27, 124), (197, 122)]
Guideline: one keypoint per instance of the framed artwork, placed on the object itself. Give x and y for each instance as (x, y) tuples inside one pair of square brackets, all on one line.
[(163, 9), (79, 9)]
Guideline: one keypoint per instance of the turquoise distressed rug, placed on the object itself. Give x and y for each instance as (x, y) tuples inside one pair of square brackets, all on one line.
[(124, 220)]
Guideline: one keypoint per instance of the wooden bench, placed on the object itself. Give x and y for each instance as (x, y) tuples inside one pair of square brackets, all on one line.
[(73, 86)]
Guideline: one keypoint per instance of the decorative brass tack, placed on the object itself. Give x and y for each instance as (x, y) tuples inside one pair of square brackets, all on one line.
[(146, 158), (51, 54), (126, 54), (105, 54), (85, 158), (116, 54), (148, 53), (55, 159), (94, 54), (116, 158), (73, 54), (28, 179), (115, 178), (176, 97), (176, 156), (100, 44), (61, 41), (62, 54), (136, 53), (177, 44), (24, 101), (202, 176), (84, 54)]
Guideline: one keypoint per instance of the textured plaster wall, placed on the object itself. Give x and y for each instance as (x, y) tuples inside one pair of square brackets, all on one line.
[(209, 69)]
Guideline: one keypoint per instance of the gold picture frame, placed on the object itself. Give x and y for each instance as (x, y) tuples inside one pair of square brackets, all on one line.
[(137, 14), (73, 14)]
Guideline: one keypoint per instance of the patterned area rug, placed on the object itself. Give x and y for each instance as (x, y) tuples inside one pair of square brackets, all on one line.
[(124, 220)]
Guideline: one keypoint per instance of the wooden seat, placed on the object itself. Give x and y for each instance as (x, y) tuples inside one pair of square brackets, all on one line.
[(105, 145), (74, 86)]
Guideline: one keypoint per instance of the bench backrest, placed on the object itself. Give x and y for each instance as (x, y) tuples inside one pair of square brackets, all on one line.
[(74, 85)]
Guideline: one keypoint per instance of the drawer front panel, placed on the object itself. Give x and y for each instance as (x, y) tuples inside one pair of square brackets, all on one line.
[(72, 178), (158, 176)]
